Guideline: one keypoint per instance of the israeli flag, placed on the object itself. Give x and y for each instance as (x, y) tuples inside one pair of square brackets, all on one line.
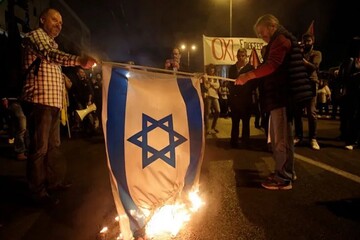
[(153, 128)]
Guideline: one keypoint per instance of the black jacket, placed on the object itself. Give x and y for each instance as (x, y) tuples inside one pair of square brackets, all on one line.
[(240, 98)]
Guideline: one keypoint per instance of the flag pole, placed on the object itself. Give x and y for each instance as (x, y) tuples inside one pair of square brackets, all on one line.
[(146, 68)]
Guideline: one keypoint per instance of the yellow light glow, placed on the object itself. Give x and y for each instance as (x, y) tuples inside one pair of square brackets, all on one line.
[(195, 200), (104, 230), (170, 219)]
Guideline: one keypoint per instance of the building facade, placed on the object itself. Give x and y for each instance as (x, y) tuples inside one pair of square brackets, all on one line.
[(24, 14)]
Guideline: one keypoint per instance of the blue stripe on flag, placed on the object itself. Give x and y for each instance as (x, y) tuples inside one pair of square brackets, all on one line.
[(117, 94), (195, 122)]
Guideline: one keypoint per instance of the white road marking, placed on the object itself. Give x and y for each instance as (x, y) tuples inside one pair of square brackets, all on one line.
[(329, 168)]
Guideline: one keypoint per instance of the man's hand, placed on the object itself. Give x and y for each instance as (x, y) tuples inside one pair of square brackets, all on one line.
[(86, 62), (176, 64), (244, 78), (171, 64), (167, 64)]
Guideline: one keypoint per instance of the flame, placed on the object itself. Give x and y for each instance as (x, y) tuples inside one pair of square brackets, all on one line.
[(167, 220), (170, 219), (195, 200), (104, 230)]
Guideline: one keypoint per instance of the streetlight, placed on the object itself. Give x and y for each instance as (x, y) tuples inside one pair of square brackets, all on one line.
[(223, 2), (192, 48), (230, 18)]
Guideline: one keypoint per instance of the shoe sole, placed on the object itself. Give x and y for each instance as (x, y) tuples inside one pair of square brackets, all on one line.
[(288, 187), (294, 178)]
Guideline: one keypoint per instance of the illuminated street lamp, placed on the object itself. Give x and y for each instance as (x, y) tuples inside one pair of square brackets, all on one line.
[(230, 15), (192, 48)]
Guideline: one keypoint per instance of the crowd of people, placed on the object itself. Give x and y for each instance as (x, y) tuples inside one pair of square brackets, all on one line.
[(33, 112), (47, 93), (330, 91), (279, 102)]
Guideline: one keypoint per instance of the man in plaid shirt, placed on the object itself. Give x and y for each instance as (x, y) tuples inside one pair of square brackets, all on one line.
[(43, 99)]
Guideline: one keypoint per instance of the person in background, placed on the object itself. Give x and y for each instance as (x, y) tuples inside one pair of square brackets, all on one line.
[(83, 95), (42, 98), (312, 59), (240, 100), (274, 98), (324, 98), (336, 92), (16, 121), (13, 113), (174, 63), (212, 105), (349, 76), (97, 87), (223, 99)]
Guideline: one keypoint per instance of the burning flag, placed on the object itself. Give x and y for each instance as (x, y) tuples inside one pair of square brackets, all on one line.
[(153, 128)]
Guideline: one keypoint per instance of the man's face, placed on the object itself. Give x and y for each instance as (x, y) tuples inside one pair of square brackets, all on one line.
[(265, 32), (241, 56), (52, 23), (308, 43), (212, 71), (81, 74), (176, 54)]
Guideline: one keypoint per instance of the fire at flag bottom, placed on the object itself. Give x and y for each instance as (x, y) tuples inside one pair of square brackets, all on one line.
[(153, 128)]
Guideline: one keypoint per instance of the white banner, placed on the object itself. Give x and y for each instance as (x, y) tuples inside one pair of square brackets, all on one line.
[(222, 50)]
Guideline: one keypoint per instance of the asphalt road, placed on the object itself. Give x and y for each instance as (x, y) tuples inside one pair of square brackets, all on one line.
[(323, 204)]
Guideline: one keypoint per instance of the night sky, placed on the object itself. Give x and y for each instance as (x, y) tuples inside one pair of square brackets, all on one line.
[(144, 31)]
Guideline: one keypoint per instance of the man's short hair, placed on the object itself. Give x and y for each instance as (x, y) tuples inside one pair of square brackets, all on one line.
[(242, 50), (45, 12), (307, 36)]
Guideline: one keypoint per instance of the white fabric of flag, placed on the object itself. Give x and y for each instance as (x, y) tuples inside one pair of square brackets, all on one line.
[(153, 128)]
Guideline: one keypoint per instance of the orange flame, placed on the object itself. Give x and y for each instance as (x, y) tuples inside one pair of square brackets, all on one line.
[(167, 220), (170, 219)]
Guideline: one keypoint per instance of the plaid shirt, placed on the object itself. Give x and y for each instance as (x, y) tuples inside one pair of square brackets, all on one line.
[(47, 88)]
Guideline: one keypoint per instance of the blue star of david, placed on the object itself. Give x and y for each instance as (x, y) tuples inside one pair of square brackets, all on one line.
[(150, 154)]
